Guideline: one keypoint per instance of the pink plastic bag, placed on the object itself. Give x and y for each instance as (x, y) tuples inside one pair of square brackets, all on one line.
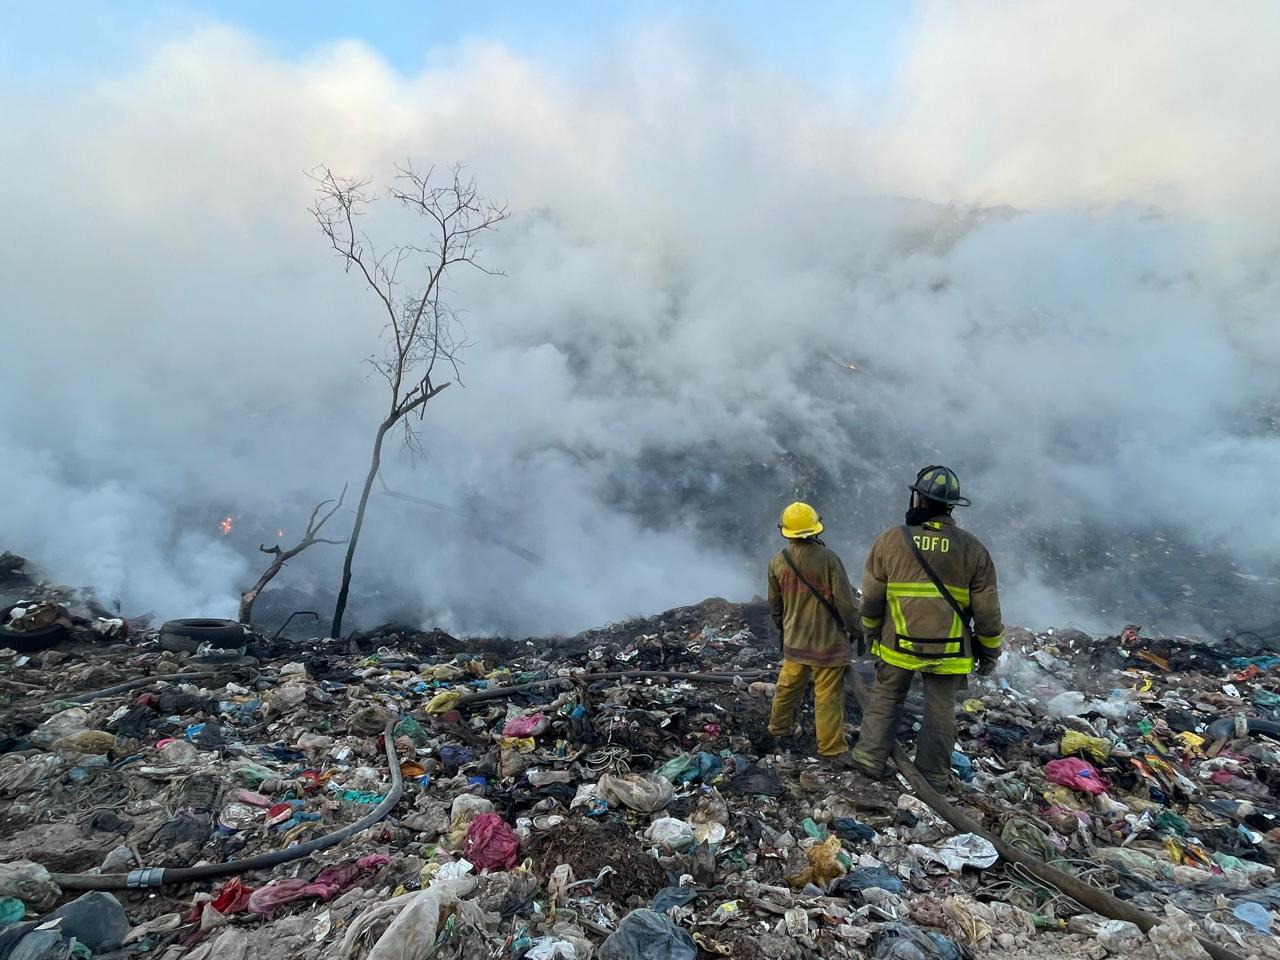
[(1077, 774), (527, 726), (491, 844)]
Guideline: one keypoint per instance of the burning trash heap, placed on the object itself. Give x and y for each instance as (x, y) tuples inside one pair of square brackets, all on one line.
[(403, 794)]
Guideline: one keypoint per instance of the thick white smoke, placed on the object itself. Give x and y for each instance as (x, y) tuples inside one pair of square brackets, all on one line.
[(699, 251)]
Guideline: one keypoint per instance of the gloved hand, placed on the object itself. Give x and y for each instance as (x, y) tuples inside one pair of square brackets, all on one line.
[(987, 666)]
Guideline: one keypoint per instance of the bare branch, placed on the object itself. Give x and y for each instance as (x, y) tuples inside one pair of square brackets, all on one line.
[(282, 556), (421, 329)]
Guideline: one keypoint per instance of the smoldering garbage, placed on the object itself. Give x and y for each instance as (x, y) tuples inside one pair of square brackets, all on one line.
[(549, 808)]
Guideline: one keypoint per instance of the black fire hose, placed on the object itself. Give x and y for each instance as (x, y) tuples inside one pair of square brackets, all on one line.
[(1225, 729), (165, 876), (1094, 899)]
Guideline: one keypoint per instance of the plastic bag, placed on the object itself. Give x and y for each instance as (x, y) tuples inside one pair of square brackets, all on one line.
[(691, 767), (95, 919), (903, 941), (824, 865), (1026, 836), (670, 835), (62, 724), (1095, 748), (864, 878), (19, 773), (527, 726), (443, 702), (1254, 914), (847, 828), (917, 822), (956, 853), (646, 935), (640, 792), (491, 844), (1076, 774), (413, 932), (30, 883)]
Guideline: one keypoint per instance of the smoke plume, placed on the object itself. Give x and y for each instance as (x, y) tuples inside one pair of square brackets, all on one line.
[(1048, 260)]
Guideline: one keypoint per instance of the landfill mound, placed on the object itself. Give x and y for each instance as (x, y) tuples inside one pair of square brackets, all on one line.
[(406, 794)]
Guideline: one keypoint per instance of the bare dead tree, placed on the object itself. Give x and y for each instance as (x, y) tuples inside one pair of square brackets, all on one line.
[(423, 335), (281, 556)]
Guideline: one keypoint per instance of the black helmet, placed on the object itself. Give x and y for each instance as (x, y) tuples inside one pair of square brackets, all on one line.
[(941, 484)]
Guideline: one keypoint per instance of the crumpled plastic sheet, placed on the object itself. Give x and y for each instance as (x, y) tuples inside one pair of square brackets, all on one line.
[(1077, 774), (329, 882), (491, 844), (917, 821), (904, 941), (412, 934), (644, 934), (30, 883), (443, 702), (670, 834), (19, 774), (644, 793), (691, 767), (1096, 749), (864, 878), (530, 725), (956, 853), (1174, 937)]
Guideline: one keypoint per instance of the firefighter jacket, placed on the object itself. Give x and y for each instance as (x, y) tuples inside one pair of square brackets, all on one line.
[(923, 632), (809, 633)]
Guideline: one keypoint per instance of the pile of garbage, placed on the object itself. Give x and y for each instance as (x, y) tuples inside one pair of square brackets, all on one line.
[(617, 796)]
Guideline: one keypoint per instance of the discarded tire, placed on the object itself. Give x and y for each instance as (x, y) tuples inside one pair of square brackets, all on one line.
[(187, 636), (30, 641)]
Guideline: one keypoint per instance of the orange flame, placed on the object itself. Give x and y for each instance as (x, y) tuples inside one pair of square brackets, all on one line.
[(226, 525)]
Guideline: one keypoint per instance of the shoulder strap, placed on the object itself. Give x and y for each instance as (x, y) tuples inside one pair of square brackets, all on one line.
[(936, 580), (835, 614)]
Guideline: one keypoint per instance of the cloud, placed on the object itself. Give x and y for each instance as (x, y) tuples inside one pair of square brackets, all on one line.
[(700, 248)]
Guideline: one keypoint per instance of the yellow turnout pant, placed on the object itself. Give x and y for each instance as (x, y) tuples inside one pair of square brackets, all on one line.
[(828, 695)]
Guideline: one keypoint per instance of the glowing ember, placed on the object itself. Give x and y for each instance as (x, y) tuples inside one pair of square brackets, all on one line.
[(226, 525)]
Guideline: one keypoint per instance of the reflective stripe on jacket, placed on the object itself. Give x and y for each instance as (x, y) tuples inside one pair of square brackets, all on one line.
[(809, 633), (926, 633)]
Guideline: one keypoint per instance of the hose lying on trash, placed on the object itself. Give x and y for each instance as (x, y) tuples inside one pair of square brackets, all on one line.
[(499, 692), (1225, 728), (164, 876), (1090, 897)]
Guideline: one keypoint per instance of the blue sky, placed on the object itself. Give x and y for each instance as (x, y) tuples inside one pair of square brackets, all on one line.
[(820, 42)]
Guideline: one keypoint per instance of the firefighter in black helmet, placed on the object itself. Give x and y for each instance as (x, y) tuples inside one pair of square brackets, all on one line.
[(943, 640)]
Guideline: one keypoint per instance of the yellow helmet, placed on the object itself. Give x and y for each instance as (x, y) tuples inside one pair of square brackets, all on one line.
[(799, 521)]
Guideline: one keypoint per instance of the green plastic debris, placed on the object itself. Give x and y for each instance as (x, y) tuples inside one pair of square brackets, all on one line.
[(11, 910), (411, 728), (1168, 820), (1146, 726), (361, 796), (815, 830)]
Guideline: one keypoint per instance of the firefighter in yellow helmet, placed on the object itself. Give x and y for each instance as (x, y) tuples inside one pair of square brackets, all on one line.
[(942, 639), (811, 600)]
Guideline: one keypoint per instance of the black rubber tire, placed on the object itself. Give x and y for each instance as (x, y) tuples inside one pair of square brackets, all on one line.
[(30, 641), (188, 635)]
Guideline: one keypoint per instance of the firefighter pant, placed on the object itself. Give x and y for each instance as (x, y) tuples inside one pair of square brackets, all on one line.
[(828, 709), (880, 719)]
